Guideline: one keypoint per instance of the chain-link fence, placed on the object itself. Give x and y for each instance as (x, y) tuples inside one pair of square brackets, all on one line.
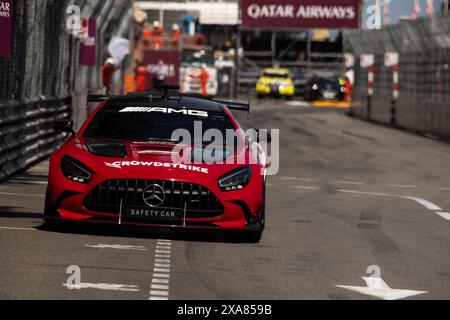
[(42, 81), (424, 75)]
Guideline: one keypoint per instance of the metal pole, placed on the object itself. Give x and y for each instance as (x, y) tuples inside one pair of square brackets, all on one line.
[(274, 46), (308, 49), (446, 4), (237, 62)]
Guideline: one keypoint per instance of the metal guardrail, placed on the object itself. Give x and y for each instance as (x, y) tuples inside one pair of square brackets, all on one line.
[(424, 75), (26, 134), (42, 75)]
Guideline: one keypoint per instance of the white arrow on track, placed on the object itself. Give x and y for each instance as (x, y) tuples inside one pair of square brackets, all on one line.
[(376, 287)]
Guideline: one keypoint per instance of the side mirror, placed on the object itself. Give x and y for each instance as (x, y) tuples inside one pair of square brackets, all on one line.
[(64, 126)]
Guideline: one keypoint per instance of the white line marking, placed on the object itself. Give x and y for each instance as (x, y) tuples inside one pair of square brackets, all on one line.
[(444, 189), (161, 275), (163, 251), (20, 229), (166, 270), (158, 298), (444, 215), (307, 188), (162, 281), (159, 247), (427, 204), (296, 179), (22, 195), (159, 289), (162, 260), (103, 286), (349, 182), (159, 293), (117, 247), (376, 287), (367, 193), (404, 186)]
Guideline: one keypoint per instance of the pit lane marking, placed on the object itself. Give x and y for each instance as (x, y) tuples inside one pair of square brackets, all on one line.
[(423, 202), (116, 247), (103, 286), (159, 289)]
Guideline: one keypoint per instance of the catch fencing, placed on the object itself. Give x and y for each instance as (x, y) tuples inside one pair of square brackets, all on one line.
[(423, 104), (42, 81)]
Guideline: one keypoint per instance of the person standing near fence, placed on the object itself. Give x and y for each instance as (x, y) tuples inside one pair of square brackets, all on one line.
[(141, 77), (204, 76), (158, 31), (108, 68)]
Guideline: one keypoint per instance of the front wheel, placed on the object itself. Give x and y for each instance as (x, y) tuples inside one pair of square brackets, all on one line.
[(49, 212), (255, 236)]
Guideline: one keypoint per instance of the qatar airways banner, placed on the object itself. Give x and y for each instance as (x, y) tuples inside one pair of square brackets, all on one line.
[(301, 14), (6, 24)]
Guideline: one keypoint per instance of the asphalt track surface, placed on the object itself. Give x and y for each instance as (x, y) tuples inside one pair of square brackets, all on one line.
[(349, 195)]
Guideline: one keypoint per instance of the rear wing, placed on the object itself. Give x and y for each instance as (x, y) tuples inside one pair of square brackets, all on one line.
[(237, 106)]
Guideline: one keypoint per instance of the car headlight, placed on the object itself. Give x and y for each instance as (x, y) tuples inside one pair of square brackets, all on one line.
[(236, 180), (74, 170)]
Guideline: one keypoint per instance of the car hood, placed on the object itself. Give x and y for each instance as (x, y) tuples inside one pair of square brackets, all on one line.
[(151, 161)]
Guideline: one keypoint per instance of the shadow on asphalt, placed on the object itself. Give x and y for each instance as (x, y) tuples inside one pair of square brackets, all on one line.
[(145, 232), (14, 213)]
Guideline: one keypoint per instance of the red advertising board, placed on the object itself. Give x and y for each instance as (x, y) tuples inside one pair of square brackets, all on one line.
[(301, 14), (87, 42), (170, 61), (6, 25)]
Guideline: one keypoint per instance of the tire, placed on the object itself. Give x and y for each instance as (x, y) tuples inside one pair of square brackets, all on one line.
[(263, 210), (49, 212), (255, 236)]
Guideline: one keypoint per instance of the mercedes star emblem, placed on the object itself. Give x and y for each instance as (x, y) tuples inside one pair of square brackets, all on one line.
[(154, 195)]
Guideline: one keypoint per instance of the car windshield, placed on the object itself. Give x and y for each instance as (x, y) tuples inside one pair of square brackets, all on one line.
[(327, 82), (152, 123), (276, 75)]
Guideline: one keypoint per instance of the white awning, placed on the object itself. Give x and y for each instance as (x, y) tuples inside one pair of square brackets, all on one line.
[(210, 12)]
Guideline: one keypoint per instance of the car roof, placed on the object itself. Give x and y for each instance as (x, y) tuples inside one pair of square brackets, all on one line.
[(174, 101)]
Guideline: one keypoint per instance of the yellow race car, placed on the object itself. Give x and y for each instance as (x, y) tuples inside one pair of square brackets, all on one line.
[(275, 82)]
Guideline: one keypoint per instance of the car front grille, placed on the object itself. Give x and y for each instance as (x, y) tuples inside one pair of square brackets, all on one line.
[(200, 202)]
